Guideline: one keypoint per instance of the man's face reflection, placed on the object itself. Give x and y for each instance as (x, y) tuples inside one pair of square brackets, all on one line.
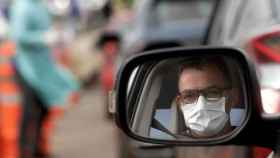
[(204, 99)]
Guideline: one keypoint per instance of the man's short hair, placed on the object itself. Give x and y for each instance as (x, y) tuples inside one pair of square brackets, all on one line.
[(201, 62)]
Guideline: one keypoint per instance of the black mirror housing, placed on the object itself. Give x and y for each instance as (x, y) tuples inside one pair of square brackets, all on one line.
[(251, 130)]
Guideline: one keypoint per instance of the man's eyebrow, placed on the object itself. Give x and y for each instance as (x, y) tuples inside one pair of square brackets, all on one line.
[(213, 86), (198, 89), (208, 87)]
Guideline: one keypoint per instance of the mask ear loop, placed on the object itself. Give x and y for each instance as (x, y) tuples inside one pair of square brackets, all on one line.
[(227, 99), (188, 130)]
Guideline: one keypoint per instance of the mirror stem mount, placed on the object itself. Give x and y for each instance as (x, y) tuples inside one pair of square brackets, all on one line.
[(112, 102), (276, 150)]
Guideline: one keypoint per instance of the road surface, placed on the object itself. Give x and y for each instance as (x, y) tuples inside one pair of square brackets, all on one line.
[(85, 132)]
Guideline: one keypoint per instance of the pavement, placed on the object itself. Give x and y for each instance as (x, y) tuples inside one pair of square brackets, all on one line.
[(85, 132)]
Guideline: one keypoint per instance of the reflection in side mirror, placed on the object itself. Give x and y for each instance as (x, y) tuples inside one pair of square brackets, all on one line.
[(189, 98), (184, 97)]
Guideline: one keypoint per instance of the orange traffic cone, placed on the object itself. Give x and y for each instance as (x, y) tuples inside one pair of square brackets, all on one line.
[(10, 104), (10, 123)]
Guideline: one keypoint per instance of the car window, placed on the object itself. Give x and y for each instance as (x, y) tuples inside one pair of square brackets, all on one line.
[(169, 11), (172, 11)]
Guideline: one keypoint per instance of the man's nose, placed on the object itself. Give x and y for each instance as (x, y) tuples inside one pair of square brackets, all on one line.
[(201, 101)]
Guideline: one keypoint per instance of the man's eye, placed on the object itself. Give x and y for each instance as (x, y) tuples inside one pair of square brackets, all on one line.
[(190, 95), (214, 94)]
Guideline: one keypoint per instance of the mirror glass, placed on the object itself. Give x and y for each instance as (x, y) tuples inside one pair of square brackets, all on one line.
[(186, 98)]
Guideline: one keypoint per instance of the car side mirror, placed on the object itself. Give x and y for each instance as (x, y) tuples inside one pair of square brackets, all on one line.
[(187, 96)]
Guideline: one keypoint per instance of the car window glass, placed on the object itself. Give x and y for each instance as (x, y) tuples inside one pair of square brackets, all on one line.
[(170, 11)]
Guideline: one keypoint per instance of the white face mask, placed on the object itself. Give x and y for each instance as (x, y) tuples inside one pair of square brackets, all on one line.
[(205, 118)]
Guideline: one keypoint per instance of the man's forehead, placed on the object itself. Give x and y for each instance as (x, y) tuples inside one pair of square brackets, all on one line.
[(206, 77)]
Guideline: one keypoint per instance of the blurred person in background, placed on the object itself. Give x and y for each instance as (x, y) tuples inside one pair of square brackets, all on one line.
[(4, 7), (75, 14), (109, 49), (47, 88)]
